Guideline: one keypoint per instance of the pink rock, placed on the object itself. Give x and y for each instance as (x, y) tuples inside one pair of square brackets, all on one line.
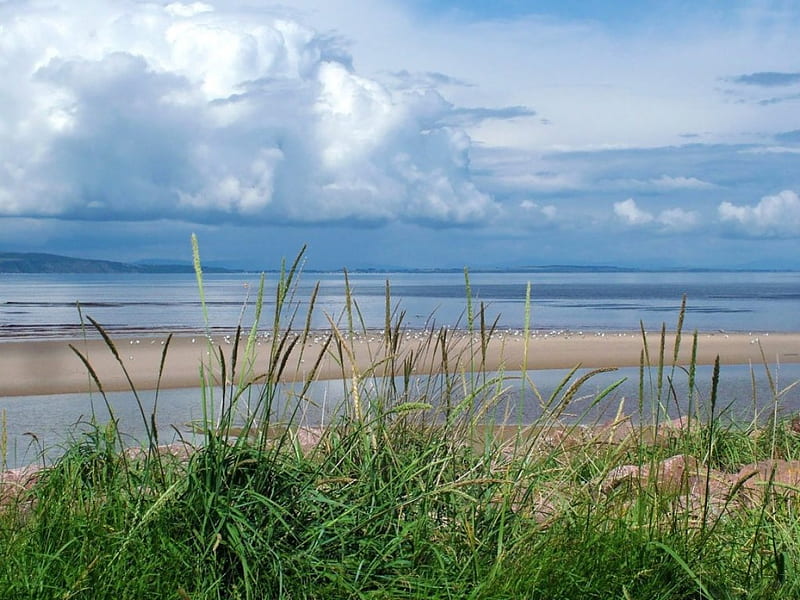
[(620, 475), (670, 476), (14, 483), (755, 478), (178, 450), (309, 438)]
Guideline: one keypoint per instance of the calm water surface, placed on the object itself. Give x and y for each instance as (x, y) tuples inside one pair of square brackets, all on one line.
[(47, 305)]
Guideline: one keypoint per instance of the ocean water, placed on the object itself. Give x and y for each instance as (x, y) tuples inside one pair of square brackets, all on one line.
[(53, 306), (46, 305)]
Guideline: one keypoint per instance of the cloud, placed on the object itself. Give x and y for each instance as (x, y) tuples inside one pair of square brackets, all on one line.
[(549, 211), (139, 111), (767, 79), (504, 170), (473, 116), (762, 81), (632, 214), (778, 99), (680, 183), (188, 10), (789, 137), (773, 216), (428, 79), (665, 183), (737, 172), (678, 219), (771, 150), (671, 219)]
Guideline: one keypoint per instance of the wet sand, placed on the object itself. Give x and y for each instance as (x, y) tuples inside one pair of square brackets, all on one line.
[(53, 366)]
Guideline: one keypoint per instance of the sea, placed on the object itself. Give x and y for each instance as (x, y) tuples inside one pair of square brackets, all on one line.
[(52, 306)]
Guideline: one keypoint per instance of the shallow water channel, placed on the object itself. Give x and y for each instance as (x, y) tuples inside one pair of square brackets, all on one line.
[(38, 427)]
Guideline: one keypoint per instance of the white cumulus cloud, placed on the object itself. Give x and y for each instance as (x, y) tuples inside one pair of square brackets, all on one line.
[(195, 111), (670, 219), (772, 216)]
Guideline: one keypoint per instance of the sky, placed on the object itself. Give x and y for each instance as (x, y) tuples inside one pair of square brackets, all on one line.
[(403, 133)]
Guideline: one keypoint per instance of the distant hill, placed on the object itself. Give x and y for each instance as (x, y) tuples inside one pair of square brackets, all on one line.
[(31, 262)]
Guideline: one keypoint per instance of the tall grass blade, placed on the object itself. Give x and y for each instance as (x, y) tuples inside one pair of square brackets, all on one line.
[(705, 594), (198, 271), (678, 331), (470, 313), (710, 447)]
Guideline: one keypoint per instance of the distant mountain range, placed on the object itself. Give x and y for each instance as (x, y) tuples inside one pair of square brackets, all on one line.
[(560, 269), (27, 262)]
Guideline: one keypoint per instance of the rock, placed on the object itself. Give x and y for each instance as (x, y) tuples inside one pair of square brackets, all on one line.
[(15, 483), (754, 479), (795, 424), (707, 492), (620, 475), (308, 438), (622, 429), (670, 476), (180, 451), (707, 495)]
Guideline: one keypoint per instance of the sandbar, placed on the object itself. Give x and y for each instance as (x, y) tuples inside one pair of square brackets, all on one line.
[(39, 367)]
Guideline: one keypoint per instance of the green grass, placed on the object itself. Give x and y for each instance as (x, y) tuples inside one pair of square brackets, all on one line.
[(413, 493)]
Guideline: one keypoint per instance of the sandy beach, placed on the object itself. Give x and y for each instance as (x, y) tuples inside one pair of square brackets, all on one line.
[(53, 366)]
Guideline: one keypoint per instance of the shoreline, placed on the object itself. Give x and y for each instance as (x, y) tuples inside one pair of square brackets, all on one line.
[(13, 334), (44, 367)]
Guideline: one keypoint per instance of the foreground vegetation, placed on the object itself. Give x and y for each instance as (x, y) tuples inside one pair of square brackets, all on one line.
[(415, 492)]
